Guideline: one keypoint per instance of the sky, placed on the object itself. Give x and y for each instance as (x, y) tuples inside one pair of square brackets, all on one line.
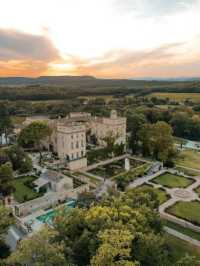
[(102, 38)]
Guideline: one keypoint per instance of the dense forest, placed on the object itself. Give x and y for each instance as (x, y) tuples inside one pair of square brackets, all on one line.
[(55, 88)]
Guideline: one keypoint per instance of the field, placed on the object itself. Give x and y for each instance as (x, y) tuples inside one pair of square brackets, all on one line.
[(189, 211), (23, 191), (178, 97), (161, 194), (172, 181), (189, 158)]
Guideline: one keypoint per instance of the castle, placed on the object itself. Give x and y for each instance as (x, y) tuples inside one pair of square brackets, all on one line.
[(70, 134)]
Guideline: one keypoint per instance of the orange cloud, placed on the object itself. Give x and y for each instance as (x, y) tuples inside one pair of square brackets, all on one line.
[(23, 54)]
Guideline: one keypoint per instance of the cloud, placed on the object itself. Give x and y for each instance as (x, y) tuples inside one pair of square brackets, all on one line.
[(153, 7), (15, 45), (124, 63), (25, 54)]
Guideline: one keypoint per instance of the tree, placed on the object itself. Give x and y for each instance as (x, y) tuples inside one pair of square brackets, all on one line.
[(162, 141), (39, 250), (119, 149), (6, 174), (135, 123), (119, 217), (85, 199), (188, 261), (6, 219), (19, 159), (115, 248), (110, 141), (151, 250), (145, 137), (5, 122), (33, 135), (157, 141)]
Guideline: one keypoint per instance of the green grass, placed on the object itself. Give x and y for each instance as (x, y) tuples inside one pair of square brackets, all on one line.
[(189, 211), (180, 248), (172, 181), (161, 194), (183, 230), (189, 158), (178, 97), (22, 191)]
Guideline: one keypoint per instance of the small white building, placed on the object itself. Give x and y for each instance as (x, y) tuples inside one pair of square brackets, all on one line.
[(53, 181)]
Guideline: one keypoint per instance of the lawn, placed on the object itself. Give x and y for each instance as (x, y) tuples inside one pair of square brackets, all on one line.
[(178, 97), (180, 248), (189, 158), (172, 181), (24, 189), (189, 211), (161, 193), (183, 230)]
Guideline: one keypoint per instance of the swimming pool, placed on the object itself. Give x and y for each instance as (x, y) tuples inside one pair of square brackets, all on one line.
[(49, 216), (192, 145)]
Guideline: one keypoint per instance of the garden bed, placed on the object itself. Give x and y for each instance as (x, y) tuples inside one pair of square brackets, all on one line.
[(189, 211), (172, 181), (125, 178)]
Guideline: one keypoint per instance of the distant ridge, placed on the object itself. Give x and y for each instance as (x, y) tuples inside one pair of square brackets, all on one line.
[(168, 79), (43, 80), (84, 81)]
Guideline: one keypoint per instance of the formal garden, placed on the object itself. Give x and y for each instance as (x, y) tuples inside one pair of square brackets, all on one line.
[(189, 211), (115, 168), (24, 189), (173, 181)]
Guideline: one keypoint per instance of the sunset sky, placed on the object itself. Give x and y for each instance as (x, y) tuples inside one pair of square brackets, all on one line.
[(103, 38)]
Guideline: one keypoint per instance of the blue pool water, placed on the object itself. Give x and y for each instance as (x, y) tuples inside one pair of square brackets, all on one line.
[(192, 145), (49, 216)]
